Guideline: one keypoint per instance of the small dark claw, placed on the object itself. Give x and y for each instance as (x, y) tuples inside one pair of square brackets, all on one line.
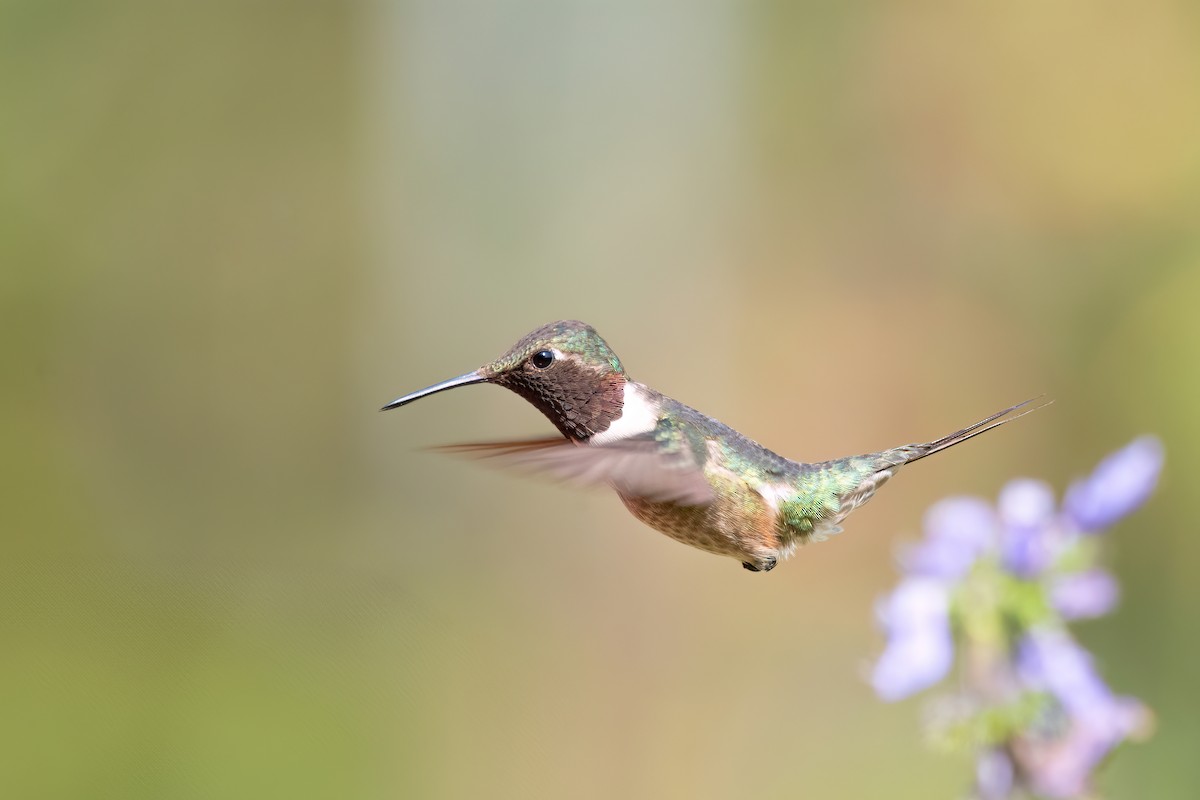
[(765, 565)]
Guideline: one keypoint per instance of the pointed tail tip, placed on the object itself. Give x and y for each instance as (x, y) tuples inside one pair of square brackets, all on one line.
[(1022, 404), (1002, 417), (1041, 405), (983, 426)]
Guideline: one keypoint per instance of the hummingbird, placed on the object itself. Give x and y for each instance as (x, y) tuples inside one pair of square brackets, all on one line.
[(677, 470)]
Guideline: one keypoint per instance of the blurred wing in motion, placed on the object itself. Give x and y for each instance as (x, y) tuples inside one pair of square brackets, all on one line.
[(639, 467)]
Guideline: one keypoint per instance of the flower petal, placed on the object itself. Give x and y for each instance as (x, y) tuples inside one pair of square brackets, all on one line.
[(1062, 766), (1028, 512), (1082, 595), (993, 775), (970, 520), (919, 649), (1120, 484), (1050, 660), (1026, 503), (957, 531)]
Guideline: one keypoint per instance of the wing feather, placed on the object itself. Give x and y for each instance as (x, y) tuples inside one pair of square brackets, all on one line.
[(639, 466)]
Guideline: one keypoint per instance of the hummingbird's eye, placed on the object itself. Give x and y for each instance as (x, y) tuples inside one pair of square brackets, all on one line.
[(542, 359)]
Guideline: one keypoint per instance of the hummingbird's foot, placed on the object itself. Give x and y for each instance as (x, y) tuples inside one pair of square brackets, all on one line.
[(762, 565)]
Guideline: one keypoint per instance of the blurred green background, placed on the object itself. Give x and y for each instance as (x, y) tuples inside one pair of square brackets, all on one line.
[(230, 231)]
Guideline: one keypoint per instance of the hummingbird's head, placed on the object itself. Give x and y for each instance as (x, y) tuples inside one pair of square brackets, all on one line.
[(564, 369)]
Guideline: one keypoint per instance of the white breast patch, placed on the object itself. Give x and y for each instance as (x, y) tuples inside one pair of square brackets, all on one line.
[(638, 415)]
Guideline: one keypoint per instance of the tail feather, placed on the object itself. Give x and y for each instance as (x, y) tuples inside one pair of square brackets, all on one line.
[(915, 452), (831, 490)]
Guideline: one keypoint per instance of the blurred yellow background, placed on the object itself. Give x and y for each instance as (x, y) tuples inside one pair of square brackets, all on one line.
[(231, 231)]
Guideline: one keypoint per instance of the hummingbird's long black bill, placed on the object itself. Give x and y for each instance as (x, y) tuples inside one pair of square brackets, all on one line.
[(461, 380)]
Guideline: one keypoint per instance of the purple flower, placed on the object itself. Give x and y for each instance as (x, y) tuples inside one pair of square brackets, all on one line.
[(1027, 509), (1119, 485), (919, 649), (1097, 720), (993, 775), (1061, 765), (1026, 503), (957, 531), (1050, 660), (1082, 595), (1017, 574)]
